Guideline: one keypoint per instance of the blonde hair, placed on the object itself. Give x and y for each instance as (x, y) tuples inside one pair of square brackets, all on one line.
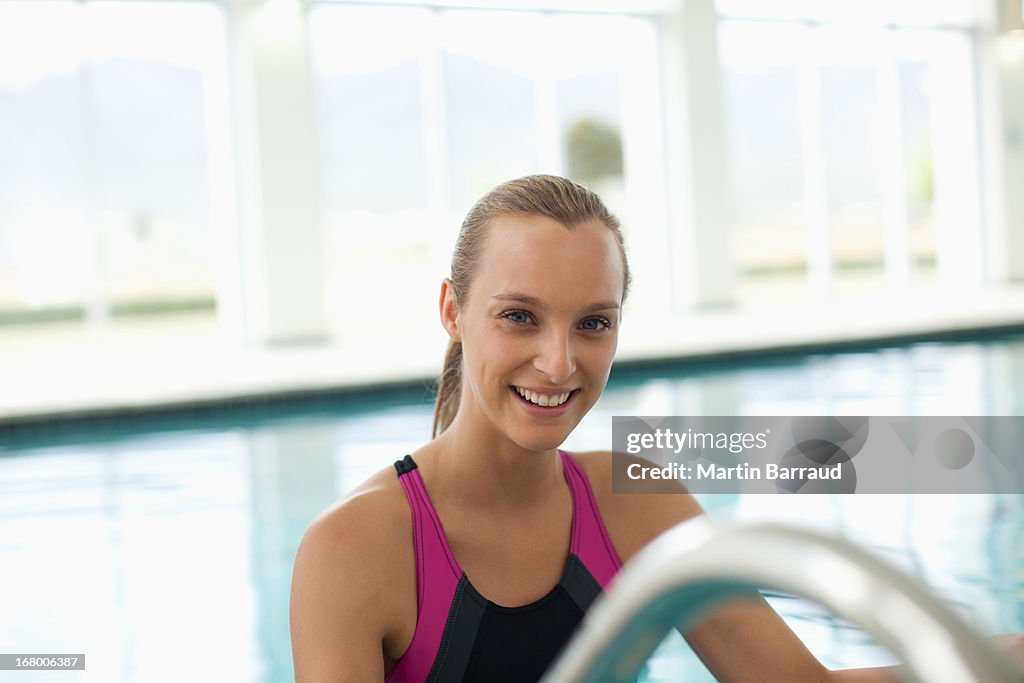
[(536, 195)]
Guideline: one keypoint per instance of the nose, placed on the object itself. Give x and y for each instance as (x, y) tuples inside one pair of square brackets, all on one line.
[(555, 356)]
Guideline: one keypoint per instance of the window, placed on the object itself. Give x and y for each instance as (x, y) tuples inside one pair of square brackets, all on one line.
[(105, 199), (853, 150), (421, 119)]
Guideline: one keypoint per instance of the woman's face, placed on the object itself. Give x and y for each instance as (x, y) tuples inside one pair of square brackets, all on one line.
[(539, 327)]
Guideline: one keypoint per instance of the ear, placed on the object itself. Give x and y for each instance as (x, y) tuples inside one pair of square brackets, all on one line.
[(450, 310)]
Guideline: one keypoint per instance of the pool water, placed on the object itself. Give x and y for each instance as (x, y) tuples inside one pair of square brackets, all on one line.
[(162, 548)]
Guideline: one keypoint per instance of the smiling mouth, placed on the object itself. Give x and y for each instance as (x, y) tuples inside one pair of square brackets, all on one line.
[(543, 400)]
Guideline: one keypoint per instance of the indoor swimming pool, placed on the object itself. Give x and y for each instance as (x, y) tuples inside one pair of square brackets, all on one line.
[(161, 546)]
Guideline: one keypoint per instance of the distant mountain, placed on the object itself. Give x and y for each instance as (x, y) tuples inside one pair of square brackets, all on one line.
[(131, 134)]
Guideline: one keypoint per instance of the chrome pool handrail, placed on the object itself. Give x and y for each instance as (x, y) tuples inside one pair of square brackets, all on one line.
[(698, 564)]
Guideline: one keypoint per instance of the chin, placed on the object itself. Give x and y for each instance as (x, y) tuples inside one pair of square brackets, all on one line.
[(540, 442), (542, 446)]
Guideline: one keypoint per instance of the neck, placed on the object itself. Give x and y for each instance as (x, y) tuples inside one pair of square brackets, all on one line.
[(479, 468)]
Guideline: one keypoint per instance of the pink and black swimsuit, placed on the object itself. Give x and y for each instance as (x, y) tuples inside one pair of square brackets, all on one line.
[(461, 635)]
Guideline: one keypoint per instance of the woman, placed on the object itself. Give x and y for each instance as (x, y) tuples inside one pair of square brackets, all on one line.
[(476, 556)]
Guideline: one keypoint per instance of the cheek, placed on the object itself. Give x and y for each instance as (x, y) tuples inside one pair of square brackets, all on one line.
[(599, 357), (497, 352), (498, 344)]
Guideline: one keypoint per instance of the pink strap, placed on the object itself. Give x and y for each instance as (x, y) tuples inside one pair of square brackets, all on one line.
[(437, 575), (590, 540)]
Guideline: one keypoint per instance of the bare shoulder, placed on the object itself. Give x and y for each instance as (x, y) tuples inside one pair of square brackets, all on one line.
[(374, 512), (369, 523), (633, 519), (353, 576)]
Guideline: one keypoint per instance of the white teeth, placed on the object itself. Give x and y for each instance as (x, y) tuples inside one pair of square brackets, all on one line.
[(543, 400)]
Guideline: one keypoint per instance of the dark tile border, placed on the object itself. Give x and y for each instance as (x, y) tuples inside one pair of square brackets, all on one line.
[(251, 410)]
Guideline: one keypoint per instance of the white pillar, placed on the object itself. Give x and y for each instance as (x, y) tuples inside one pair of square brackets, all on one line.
[(957, 169), (701, 221), (817, 232), (645, 190), (1001, 57), (281, 243), (894, 177)]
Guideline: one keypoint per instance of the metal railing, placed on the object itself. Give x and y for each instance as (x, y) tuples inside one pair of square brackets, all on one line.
[(698, 564)]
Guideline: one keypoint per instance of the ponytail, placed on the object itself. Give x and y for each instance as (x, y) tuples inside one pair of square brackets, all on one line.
[(449, 389)]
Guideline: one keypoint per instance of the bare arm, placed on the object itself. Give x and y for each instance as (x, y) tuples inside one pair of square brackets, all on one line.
[(338, 613), (740, 641), (749, 641)]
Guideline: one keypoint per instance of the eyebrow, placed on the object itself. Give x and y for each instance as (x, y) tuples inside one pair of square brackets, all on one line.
[(533, 301)]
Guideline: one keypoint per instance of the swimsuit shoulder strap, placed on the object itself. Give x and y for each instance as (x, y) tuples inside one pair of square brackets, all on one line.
[(430, 543), (590, 540), (437, 577)]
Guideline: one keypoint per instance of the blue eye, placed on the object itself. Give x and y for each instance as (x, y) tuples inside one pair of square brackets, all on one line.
[(521, 317), (595, 324)]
